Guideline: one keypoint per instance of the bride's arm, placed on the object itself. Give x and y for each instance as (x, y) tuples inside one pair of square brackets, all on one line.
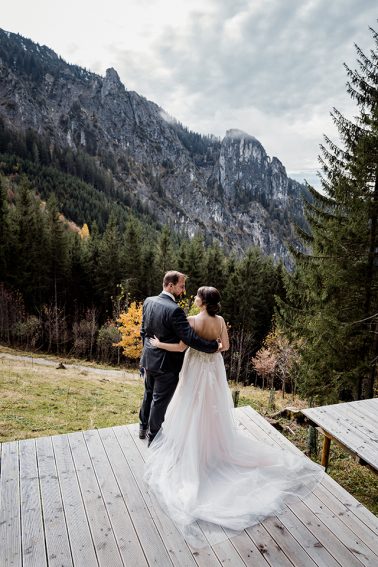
[(171, 347), (224, 337)]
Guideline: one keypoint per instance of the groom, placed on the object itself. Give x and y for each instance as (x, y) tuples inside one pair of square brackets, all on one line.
[(165, 319)]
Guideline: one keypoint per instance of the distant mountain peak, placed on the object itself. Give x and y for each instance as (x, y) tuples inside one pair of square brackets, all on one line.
[(229, 190), (236, 134), (112, 76)]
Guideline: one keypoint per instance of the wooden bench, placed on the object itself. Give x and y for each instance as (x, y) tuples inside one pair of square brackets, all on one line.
[(354, 425), (79, 500)]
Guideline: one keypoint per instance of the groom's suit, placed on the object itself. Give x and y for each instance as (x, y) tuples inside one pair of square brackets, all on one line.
[(165, 319)]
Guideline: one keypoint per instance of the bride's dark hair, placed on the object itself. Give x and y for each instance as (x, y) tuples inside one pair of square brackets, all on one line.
[(210, 296)]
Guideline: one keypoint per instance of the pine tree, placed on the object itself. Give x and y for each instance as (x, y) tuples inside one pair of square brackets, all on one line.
[(195, 267), (79, 284), (4, 236), (150, 283), (27, 269), (57, 253), (215, 270), (165, 256), (132, 259), (109, 270), (248, 305), (333, 294)]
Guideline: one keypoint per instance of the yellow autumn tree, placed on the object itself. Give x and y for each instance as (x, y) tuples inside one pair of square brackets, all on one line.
[(130, 323), (84, 232)]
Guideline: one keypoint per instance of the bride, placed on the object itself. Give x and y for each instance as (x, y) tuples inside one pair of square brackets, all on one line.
[(201, 466)]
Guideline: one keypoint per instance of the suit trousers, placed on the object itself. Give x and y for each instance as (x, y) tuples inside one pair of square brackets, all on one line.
[(159, 388)]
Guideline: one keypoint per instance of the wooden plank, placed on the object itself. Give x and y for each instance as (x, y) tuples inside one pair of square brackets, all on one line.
[(273, 525), (219, 542), (287, 542), (149, 536), (324, 535), (10, 521), (320, 415), (363, 422), (347, 517), (102, 533), (33, 537), (338, 425), (56, 536), (349, 417), (293, 546), (334, 544), (124, 531), (247, 550), (80, 537), (358, 510), (270, 549), (343, 532), (179, 550), (308, 541), (262, 430), (227, 554), (371, 403), (357, 440), (329, 528), (369, 519), (318, 550), (371, 414), (367, 416)]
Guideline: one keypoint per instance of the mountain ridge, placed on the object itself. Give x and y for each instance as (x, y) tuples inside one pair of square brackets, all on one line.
[(230, 190)]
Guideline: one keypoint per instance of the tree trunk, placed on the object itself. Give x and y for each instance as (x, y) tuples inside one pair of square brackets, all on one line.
[(366, 384)]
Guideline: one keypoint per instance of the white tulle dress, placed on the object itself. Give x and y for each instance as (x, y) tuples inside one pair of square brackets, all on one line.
[(202, 467)]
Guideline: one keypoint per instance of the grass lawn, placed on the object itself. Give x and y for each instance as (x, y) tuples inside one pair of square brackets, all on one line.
[(38, 400)]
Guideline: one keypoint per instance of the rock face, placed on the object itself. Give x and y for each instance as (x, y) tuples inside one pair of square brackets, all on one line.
[(230, 190)]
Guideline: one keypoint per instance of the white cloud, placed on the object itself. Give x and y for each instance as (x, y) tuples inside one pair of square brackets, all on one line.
[(268, 67)]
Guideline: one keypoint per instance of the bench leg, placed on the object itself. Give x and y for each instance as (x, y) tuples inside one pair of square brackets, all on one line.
[(325, 451)]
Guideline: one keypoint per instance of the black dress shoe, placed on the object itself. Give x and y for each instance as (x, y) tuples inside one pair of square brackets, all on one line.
[(142, 432), (150, 439)]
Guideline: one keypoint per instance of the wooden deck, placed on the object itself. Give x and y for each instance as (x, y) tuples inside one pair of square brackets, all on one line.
[(354, 425), (79, 500)]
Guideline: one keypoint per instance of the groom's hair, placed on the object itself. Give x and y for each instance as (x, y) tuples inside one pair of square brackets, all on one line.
[(172, 277)]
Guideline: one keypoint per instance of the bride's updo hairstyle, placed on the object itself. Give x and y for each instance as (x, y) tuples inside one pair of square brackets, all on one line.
[(210, 296)]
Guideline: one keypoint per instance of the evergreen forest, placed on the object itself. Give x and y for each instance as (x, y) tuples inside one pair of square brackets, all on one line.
[(75, 252)]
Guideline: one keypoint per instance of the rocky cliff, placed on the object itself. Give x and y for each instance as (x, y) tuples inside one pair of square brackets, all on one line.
[(230, 189)]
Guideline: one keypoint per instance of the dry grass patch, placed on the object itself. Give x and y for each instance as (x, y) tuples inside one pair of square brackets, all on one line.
[(37, 400)]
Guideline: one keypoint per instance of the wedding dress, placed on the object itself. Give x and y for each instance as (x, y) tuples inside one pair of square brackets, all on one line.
[(201, 466)]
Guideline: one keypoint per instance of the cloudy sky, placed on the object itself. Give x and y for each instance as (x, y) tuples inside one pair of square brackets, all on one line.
[(273, 68)]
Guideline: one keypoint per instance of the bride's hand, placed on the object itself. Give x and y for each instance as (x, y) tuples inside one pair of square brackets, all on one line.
[(182, 346), (155, 342)]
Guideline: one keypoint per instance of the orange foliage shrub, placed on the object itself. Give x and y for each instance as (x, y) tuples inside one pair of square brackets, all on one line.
[(130, 323)]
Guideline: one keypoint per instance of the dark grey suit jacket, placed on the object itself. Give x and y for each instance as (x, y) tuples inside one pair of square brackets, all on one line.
[(165, 319)]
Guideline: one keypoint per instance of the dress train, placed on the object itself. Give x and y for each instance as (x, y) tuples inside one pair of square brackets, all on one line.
[(207, 472)]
